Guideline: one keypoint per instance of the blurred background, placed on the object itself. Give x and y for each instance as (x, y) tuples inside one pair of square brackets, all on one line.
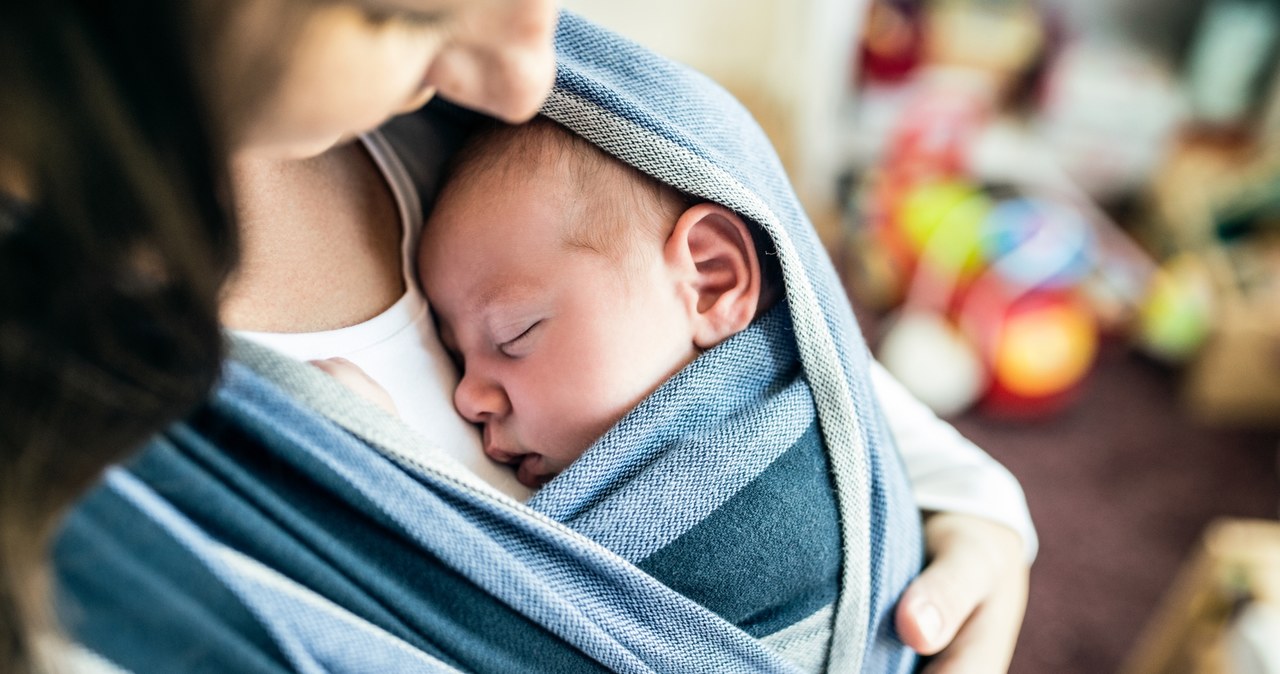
[(1059, 222)]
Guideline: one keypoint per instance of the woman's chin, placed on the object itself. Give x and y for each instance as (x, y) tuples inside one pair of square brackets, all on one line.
[(295, 150)]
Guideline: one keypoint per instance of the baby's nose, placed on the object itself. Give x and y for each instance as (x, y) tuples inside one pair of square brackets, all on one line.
[(479, 399)]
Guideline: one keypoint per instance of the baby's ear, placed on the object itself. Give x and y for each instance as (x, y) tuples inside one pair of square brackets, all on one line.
[(712, 252)]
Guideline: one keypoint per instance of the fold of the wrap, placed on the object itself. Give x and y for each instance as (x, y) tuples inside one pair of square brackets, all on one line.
[(717, 484)]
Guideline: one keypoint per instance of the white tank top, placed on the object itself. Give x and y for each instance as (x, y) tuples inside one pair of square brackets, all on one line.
[(399, 348)]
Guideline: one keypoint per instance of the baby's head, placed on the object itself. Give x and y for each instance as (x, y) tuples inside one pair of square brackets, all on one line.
[(568, 286)]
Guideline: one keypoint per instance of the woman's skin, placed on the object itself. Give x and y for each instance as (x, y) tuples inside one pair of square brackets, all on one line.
[(310, 203), (970, 599)]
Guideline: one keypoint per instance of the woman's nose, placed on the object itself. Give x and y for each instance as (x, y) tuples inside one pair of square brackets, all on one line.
[(506, 66), (480, 399)]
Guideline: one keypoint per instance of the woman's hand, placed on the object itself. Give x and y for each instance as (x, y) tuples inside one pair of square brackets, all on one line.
[(967, 604), (350, 375)]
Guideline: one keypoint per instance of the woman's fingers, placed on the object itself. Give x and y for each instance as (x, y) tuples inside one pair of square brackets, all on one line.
[(986, 641), (350, 375), (941, 599), (968, 603)]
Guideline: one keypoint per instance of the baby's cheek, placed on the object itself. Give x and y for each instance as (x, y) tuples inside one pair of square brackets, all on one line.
[(582, 393), (554, 465), (576, 427)]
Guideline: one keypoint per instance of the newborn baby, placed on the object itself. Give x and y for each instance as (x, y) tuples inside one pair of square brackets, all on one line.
[(569, 286), (622, 336)]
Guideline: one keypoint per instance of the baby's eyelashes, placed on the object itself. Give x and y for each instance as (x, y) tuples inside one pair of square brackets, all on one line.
[(514, 339), (522, 344)]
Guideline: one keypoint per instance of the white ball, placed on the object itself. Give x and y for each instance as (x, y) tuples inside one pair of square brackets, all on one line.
[(934, 361)]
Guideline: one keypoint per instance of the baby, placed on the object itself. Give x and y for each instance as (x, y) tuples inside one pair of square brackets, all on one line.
[(568, 286)]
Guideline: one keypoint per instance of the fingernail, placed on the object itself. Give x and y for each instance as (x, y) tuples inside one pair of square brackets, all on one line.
[(929, 618)]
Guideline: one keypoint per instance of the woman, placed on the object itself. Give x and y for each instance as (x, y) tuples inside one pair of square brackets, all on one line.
[(122, 336)]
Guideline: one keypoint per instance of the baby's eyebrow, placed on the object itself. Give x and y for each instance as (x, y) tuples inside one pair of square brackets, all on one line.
[(502, 296), (494, 295)]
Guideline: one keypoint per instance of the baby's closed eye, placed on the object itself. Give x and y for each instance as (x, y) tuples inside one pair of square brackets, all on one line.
[(522, 343)]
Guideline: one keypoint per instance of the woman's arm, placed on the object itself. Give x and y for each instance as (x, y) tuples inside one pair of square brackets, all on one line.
[(948, 473), (968, 603)]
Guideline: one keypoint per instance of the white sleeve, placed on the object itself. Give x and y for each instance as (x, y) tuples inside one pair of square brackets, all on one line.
[(948, 472)]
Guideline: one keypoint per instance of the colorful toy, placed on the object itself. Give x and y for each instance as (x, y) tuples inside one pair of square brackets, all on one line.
[(991, 309), (943, 224), (993, 312), (1175, 318)]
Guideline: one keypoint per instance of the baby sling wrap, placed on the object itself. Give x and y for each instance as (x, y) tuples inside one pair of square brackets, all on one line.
[(290, 526)]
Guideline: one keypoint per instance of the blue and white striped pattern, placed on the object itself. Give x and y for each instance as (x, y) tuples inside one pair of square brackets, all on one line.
[(718, 485)]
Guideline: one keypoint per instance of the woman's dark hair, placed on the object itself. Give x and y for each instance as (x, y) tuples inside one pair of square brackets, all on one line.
[(114, 242)]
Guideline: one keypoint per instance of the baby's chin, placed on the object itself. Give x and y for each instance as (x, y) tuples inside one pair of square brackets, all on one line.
[(532, 471)]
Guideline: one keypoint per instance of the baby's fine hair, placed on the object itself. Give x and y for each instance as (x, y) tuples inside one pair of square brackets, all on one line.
[(611, 193)]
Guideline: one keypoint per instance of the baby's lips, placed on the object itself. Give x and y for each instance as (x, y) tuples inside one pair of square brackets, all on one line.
[(503, 456), (526, 475)]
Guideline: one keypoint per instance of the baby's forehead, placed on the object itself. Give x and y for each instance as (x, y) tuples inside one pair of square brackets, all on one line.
[(600, 203), (504, 153)]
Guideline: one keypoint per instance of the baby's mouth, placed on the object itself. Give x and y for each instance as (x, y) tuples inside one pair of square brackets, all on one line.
[(528, 464), (503, 456), (525, 463), (527, 472), (493, 451)]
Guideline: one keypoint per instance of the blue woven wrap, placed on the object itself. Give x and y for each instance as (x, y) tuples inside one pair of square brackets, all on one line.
[(750, 516), (717, 485)]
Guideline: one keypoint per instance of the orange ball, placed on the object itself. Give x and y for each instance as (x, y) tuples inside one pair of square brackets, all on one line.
[(1045, 348), (1038, 346)]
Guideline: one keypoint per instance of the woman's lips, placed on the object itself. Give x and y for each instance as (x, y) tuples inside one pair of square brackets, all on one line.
[(424, 92)]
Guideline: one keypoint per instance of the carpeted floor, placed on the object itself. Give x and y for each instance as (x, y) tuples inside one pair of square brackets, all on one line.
[(1120, 487)]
